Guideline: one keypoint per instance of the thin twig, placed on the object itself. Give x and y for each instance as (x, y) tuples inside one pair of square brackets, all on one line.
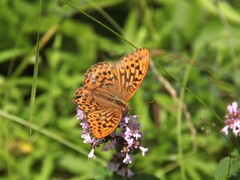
[(174, 96)]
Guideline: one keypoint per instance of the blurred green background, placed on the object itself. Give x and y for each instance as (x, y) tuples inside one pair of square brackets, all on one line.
[(181, 103)]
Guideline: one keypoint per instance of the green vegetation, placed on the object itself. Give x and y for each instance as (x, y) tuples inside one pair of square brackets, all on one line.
[(182, 102)]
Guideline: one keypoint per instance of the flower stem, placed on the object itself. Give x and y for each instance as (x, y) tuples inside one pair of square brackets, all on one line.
[(179, 122)]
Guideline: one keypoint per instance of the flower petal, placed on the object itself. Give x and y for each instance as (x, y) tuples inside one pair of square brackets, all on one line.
[(225, 130), (144, 150), (127, 159), (91, 154)]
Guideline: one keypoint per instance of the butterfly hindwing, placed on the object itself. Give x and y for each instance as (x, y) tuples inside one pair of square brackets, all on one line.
[(103, 122)]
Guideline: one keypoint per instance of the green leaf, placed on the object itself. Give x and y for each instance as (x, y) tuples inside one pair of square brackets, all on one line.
[(227, 168)]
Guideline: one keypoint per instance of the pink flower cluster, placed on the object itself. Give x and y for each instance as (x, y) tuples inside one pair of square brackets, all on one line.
[(232, 120), (124, 142)]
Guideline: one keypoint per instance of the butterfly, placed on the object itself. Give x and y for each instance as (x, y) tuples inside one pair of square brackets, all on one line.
[(106, 89)]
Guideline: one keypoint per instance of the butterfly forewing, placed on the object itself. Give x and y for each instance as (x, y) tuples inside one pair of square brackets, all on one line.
[(85, 100), (131, 71), (101, 76)]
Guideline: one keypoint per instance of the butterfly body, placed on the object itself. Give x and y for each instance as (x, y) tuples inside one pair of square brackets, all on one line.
[(107, 88)]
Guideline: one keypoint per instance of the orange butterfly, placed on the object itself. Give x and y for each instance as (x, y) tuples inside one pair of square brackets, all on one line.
[(107, 88)]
